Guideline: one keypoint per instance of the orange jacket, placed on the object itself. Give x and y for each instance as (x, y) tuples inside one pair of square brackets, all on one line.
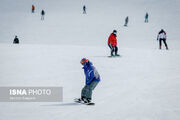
[(33, 7)]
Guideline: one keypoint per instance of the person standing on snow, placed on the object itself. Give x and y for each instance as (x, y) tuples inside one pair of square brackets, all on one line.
[(33, 8), (92, 79), (162, 37), (16, 40), (112, 43), (84, 9), (126, 21), (42, 14), (146, 17)]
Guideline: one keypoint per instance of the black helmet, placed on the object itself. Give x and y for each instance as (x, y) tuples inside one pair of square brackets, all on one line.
[(115, 32)]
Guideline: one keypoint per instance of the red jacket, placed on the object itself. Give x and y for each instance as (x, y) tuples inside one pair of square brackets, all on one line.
[(112, 40)]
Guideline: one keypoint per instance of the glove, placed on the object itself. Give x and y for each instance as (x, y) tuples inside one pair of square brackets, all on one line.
[(110, 45)]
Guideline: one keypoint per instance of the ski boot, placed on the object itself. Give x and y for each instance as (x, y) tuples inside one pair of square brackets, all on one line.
[(117, 55), (87, 100), (78, 100), (166, 47), (112, 55), (81, 100)]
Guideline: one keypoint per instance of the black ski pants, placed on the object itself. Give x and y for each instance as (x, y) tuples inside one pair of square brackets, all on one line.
[(113, 49), (160, 42)]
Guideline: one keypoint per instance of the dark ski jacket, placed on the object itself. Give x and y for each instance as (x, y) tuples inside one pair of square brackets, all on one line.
[(16, 41), (84, 8), (42, 12), (127, 19), (146, 16), (91, 73)]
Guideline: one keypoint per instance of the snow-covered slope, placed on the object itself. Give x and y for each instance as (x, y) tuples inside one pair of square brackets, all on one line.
[(142, 84), (65, 24)]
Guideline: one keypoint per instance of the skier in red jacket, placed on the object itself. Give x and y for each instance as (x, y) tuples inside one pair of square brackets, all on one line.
[(112, 43), (33, 8)]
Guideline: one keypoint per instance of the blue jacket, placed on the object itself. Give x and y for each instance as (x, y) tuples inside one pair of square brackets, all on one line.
[(90, 73)]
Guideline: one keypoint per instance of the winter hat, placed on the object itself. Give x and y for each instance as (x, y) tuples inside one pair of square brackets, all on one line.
[(84, 60), (114, 32)]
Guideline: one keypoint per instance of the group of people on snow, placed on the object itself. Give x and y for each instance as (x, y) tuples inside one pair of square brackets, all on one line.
[(42, 12), (112, 42), (127, 19), (92, 77), (91, 74)]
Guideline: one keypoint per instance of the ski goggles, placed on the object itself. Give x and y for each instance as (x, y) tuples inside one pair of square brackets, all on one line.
[(84, 61)]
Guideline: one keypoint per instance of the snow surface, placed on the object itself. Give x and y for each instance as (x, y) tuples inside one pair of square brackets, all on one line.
[(142, 84)]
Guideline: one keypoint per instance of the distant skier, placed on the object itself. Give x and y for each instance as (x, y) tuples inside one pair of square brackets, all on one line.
[(162, 37), (33, 8), (146, 17), (16, 40), (84, 9), (42, 14), (92, 79), (112, 43), (126, 21)]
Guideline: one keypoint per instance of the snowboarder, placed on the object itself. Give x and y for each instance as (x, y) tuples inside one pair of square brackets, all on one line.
[(84, 9), (33, 8), (42, 14), (92, 79), (16, 40), (146, 17), (162, 37), (112, 43), (126, 21)]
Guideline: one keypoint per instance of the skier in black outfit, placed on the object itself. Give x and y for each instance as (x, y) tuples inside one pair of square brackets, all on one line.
[(42, 14), (16, 40), (162, 37), (146, 17), (84, 9), (126, 21)]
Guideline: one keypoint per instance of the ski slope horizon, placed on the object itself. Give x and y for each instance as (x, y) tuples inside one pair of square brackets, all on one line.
[(142, 84)]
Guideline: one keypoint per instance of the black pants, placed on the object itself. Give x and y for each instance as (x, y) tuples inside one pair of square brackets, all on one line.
[(113, 49), (160, 42)]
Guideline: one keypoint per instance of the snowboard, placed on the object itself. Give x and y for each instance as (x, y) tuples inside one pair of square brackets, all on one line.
[(114, 56), (76, 100)]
